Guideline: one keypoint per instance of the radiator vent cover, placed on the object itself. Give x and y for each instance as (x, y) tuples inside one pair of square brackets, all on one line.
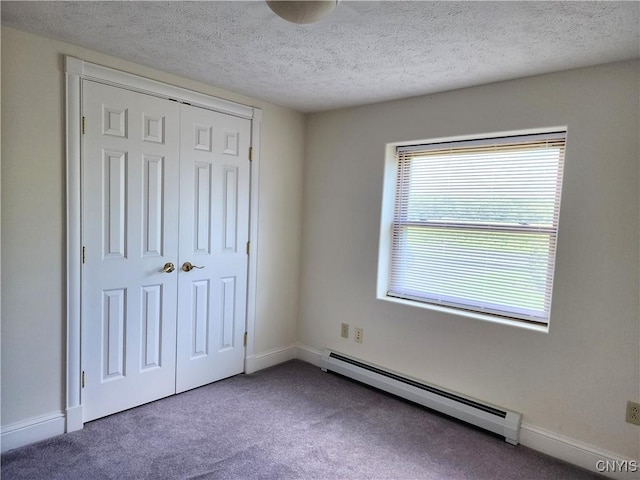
[(490, 417)]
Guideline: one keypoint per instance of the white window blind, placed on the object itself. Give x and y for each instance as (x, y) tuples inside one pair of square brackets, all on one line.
[(476, 222)]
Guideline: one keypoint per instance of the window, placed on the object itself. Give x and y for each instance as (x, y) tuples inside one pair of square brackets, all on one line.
[(475, 223)]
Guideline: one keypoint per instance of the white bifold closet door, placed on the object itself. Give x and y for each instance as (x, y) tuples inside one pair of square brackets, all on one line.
[(214, 221), (164, 185)]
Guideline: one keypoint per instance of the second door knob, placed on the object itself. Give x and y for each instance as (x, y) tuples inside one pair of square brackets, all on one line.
[(188, 266)]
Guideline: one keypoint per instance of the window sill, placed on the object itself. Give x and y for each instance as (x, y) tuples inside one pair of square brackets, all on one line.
[(462, 313)]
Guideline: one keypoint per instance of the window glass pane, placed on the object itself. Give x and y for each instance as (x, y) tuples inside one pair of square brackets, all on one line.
[(500, 187), (475, 225), (494, 271)]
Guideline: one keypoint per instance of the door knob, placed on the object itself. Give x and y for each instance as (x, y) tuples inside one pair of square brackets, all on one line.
[(188, 266), (168, 267)]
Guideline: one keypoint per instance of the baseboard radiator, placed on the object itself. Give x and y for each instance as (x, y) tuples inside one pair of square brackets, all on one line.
[(490, 417)]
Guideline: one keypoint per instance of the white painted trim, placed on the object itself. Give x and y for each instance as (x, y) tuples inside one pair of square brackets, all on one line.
[(461, 313), (74, 419), (252, 280), (31, 430), (77, 70), (73, 66), (110, 76), (270, 358), (309, 354), (74, 237), (573, 451)]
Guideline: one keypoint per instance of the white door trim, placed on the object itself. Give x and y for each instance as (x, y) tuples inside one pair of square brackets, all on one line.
[(75, 71)]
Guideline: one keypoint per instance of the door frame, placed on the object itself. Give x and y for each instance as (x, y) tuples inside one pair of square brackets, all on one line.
[(77, 70)]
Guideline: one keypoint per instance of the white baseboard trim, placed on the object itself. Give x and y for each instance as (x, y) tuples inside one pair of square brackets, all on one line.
[(253, 363), (33, 430), (550, 443), (564, 448), (74, 419), (309, 354), (578, 453)]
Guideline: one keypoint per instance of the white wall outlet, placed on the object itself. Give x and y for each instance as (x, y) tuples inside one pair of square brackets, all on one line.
[(633, 412), (344, 331), (359, 335)]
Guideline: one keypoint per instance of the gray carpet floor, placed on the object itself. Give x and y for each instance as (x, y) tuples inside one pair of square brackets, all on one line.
[(288, 421)]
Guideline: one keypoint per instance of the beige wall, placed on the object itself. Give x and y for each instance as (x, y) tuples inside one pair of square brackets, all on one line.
[(33, 219), (574, 380)]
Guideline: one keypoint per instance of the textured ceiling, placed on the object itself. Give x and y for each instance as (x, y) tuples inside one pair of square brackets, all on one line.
[(363, 52)]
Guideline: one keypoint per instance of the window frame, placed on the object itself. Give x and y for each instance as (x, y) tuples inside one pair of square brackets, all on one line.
[(385, 253)]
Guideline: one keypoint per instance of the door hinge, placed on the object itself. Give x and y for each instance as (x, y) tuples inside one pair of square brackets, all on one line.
[(83, 124), (250, 154), (83, 379), (248, 247), (84, 254), (246, 336)]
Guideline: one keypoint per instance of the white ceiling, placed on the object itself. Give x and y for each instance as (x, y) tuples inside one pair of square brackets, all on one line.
[(364, 52)]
